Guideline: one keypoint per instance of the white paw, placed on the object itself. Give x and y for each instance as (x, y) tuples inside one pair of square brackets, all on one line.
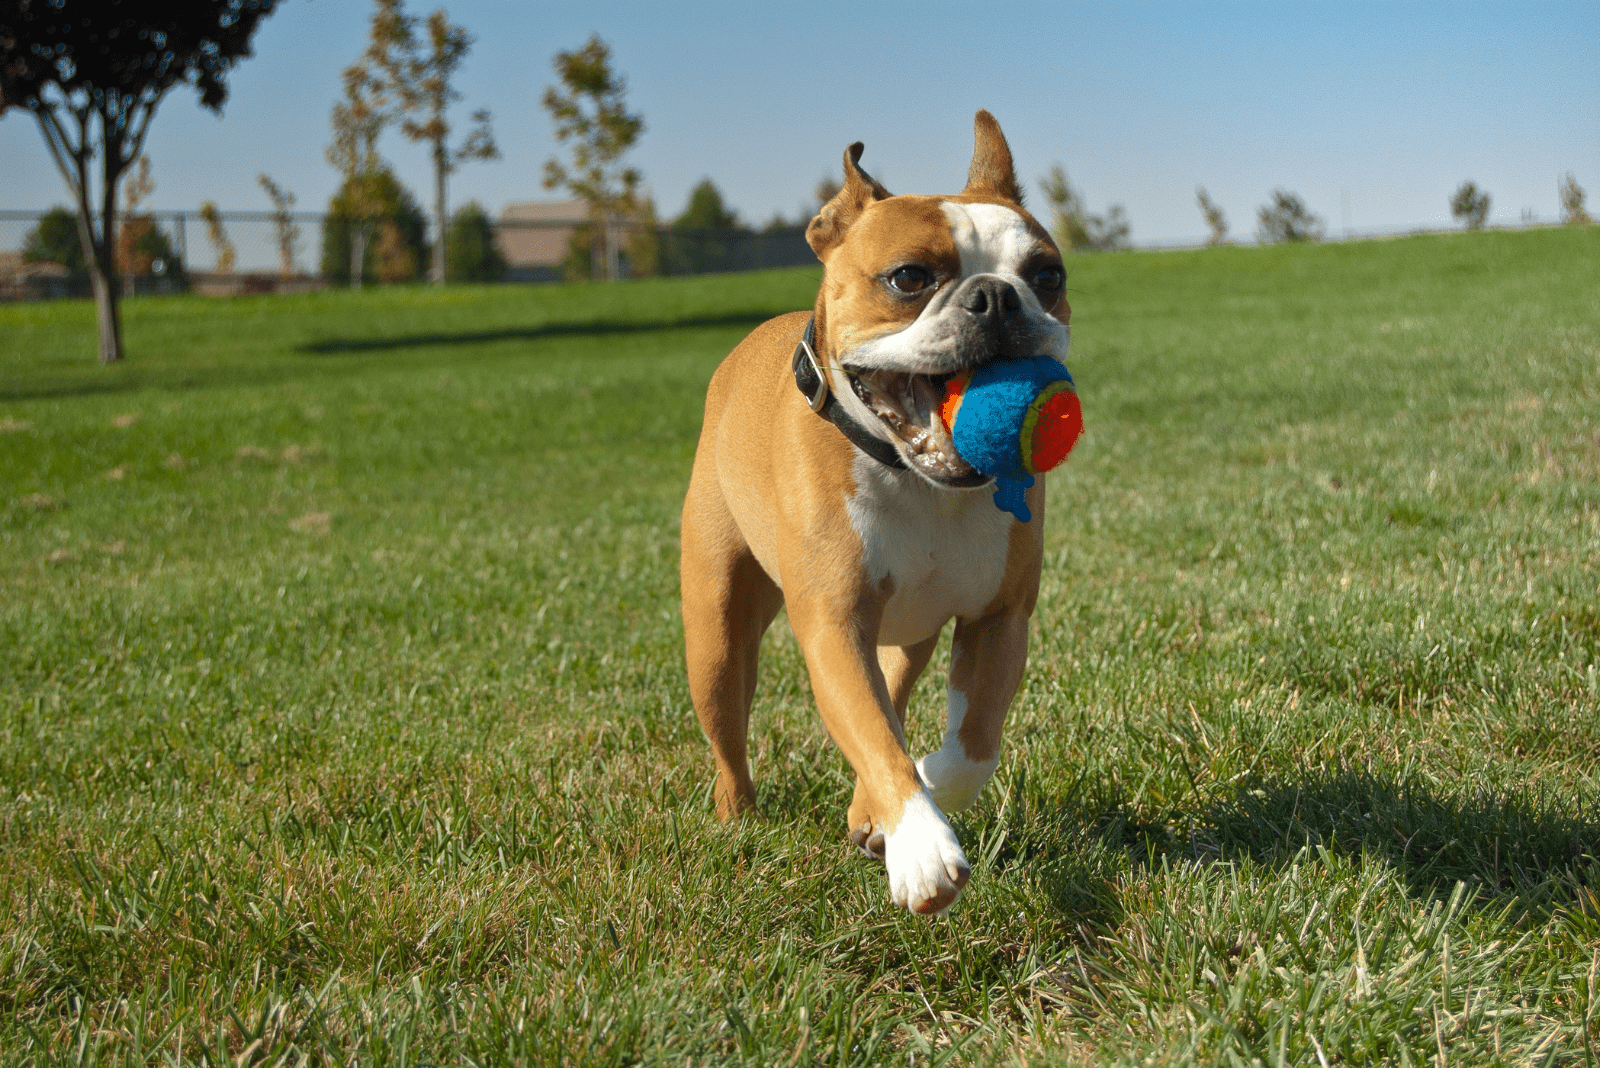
[(927, 868), (954, 781)]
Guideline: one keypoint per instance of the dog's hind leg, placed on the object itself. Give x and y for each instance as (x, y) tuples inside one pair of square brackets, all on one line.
[(728, 603), (902, 665)]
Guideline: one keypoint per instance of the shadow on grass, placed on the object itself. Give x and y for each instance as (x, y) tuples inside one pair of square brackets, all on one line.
[(335, 346), (1503, 842), (278, 368)]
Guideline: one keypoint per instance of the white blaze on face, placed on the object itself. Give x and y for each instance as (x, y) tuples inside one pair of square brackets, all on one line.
[(991, 239)]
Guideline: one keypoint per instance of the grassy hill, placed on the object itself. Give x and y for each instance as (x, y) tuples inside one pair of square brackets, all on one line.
[(342, 708)]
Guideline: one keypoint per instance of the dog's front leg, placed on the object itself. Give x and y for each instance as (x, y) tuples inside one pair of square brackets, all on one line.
[(987, 657), (926, 866)]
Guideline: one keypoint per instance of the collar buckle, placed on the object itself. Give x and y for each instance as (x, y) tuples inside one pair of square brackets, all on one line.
[(808, 373)]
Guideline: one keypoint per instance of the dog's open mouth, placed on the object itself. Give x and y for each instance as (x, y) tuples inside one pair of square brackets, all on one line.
[(908, 405)]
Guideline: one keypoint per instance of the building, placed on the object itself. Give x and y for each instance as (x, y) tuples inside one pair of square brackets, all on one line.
[(533, 237)]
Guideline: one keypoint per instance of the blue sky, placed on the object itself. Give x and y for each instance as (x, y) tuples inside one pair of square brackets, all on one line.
[(1372, 112)]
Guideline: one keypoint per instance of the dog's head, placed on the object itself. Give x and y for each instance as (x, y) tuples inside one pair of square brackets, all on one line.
[(916, 289)]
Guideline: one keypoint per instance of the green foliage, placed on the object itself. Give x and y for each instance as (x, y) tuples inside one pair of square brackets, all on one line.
[(591, 117), (55, 240), (150, 245), (1470, 204), (705, 237), (344, 716), (415, 78), (706, 211), (1073, 226), (397, 247), (590, 112), (472, 254), (1285, 218)]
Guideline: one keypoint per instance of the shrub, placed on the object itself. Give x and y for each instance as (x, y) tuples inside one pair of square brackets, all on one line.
[(1286, 218), (1471, 205), (471, 255), (55, 240), (397, 241)]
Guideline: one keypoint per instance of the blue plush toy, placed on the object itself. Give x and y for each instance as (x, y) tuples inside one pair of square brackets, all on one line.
[(1013, 419)]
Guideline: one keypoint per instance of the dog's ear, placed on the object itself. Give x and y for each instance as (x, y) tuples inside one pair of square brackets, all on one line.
[(992, 173), (835, 217)]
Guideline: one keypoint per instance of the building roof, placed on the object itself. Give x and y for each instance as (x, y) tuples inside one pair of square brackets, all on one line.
[(567, 211)]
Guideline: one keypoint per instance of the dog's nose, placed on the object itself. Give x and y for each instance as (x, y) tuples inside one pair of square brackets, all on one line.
[(989, 297)]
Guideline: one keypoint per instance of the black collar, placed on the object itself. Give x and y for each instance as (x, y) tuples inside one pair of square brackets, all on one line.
[(813, 385)]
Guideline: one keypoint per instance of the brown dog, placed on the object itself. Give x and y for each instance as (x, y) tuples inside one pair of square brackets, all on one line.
[(826, 482)]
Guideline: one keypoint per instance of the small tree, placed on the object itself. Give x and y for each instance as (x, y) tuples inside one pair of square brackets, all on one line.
[(1572, 210), (471, 248), (1215, 219), (92, 75), (1072, 225), (55, 240), (1286, 218), (357, 120), (417, 82), (699, 241), (395, 226), (142, 248), (218, 236), (1471, 205), (589, 111), (132, 260), (282, 222)]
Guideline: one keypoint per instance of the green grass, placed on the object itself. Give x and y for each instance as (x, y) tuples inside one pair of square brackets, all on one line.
[(342, 715)]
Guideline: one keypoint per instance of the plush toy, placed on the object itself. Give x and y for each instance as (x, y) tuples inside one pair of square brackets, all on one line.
[(1013, 419)]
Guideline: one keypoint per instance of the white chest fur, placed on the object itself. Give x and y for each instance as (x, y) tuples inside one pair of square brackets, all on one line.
[(944, 550)]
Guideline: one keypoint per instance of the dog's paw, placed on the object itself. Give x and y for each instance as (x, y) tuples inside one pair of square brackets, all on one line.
[(927, 868), (954, 781), (868, 838)]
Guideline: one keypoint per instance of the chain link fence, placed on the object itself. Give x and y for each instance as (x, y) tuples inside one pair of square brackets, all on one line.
[(226, 253), (235, 252)]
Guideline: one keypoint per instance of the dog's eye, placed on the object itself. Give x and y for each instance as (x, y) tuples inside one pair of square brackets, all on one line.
[(911, 279), (1050, 279)]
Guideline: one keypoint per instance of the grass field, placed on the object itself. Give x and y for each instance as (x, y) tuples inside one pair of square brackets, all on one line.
[(342, 714)]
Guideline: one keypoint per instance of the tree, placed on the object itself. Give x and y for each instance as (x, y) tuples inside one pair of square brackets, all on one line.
[(589, 111), (282, 222), (93, 73), (705, 210), (141, 245), (1215, 219), (218, 236), (374, 204), (417, 82), (471, 249), (1286, 218), (55, 240), (1470, 204), (701, 238), (1072, 225), (357, 120), (1572, 210), (132, 261)]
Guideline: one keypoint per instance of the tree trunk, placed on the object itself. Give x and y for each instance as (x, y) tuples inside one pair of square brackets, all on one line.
[(101, 260), (441, 164), (358, 251), (105, 306)]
